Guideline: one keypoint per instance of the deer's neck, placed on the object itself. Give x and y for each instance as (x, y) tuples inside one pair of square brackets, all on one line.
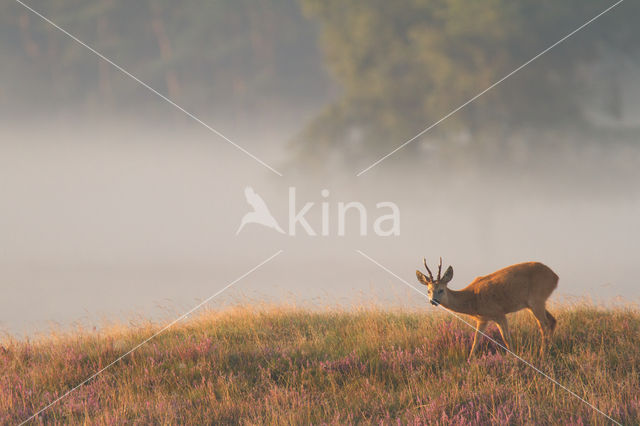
[(462, 301)]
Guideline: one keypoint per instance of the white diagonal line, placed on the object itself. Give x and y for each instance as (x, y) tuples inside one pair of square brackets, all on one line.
[(151, 89), (163, 329), (493, 340), (490, 87)]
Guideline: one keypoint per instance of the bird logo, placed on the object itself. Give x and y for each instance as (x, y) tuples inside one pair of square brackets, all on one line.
[(260, 214)]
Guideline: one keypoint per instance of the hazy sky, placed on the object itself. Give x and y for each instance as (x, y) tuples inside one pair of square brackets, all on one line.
[(134, 214)]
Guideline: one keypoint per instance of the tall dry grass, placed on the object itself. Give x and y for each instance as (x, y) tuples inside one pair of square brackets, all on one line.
[(287, 365)]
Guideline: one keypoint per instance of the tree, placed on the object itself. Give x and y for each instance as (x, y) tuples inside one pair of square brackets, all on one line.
[(403, 65)]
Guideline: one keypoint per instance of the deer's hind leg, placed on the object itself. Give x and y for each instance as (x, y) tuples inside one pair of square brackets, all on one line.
[(545, 322), (552, 322)]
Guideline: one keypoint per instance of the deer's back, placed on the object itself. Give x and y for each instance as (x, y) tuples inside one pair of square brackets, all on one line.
[(514, 287)]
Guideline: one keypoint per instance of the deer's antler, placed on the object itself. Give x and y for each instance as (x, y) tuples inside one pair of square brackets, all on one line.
[(439, 268), (428, 270)]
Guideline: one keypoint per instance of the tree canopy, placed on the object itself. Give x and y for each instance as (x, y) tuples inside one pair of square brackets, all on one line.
[(225, 54), (403, 65)]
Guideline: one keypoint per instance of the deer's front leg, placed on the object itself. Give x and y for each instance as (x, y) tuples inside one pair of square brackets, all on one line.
[(480, 327), (504, 331)]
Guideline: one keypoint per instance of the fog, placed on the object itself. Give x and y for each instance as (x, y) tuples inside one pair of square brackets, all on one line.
[(115, 206), (114, 220)]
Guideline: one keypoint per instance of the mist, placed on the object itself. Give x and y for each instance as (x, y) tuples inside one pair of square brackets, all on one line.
[(115, 206), (113, 221)]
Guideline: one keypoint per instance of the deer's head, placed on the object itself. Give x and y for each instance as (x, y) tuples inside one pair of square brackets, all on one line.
[(437, 287)]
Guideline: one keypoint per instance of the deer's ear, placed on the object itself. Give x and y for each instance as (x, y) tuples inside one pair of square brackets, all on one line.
[(422, 278), (448, 275)]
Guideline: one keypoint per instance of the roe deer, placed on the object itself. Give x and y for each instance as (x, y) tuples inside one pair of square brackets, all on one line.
[(490, 298)]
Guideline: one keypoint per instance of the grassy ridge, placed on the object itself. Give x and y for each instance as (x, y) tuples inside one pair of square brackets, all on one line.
[(296, 366)]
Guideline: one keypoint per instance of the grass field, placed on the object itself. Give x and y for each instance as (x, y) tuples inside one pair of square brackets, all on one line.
[(286, 365)]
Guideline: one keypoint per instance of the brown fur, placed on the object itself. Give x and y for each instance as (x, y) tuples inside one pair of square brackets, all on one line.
[(492, 297)]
